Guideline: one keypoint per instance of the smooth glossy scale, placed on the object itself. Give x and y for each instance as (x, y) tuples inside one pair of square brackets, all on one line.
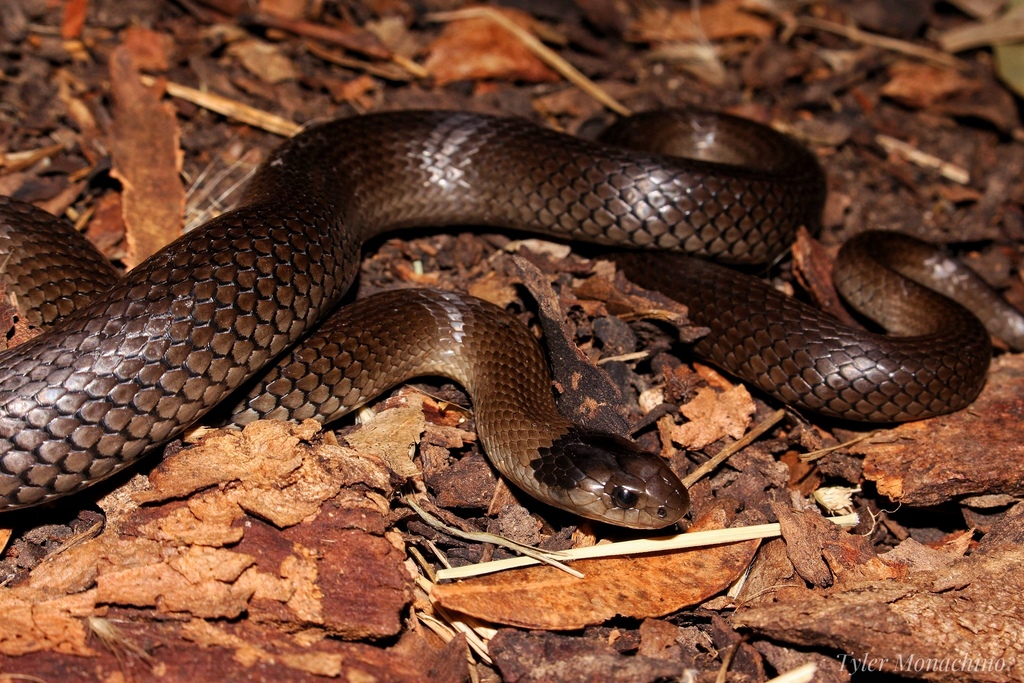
[(179, 333)]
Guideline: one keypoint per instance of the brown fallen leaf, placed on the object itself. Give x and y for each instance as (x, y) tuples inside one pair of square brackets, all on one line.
[(264, 60), (630, 302), (643, 586), (147, 160), (947, 91), (497, 289), (723, 20), (74, 18), (393, 432), (287, 9), (921, 85), (714, 415), (359, 90), (480, 49)]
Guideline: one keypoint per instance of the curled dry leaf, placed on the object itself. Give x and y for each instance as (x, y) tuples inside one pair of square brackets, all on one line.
[(497, 289), (643, 586), (264, 60), (922, 85), (480, 49), (392, 433), (714, 415)]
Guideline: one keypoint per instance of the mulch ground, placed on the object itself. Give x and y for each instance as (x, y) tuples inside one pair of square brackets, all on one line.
[(289, 552)]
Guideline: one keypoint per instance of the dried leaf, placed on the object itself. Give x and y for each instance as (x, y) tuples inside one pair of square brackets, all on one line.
[(497, 289), (264, 60), (479, 49), (643, 586), (723, 20), (714, 415), (922, 85), (392, 434), (74, 18)]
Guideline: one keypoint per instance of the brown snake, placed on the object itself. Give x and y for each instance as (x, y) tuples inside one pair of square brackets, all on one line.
[(132, 364)]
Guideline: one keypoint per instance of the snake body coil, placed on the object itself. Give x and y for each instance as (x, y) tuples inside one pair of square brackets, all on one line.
[(179, 333)]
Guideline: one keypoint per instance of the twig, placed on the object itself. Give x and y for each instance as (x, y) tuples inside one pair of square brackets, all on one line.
[(640, 546), (723, 671), (802, 674), (886, 43), (388, 72), (624, 358), (1008, 28), (357, 40), (483, 537), (822, 452), (230, 108), (446, 632), (949, 171), (19, 161)]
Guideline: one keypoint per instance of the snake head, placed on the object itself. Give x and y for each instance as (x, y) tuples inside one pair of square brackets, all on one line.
[(611, 479)]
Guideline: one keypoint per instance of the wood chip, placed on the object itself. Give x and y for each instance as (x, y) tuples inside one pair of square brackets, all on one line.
[(147, 161)]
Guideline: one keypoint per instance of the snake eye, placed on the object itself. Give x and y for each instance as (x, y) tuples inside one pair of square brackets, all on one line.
[(623, 497), (662, 513)]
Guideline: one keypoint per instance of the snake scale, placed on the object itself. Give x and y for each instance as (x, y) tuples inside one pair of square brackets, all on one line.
[(127, 364)]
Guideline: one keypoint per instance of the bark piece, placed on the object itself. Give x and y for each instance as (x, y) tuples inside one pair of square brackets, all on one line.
[(528, 657), (147, 160), (273, 472), (962, 622), (975, 451)]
